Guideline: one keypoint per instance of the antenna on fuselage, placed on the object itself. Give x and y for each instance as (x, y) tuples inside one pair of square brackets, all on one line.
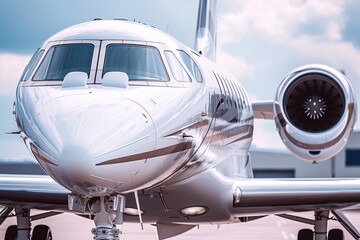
[(206, 29)]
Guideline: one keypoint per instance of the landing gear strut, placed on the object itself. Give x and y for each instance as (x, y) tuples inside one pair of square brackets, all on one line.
[(108, 211), (23, 223), (104, 221), (22, 230), (320, 226), (321, 220)]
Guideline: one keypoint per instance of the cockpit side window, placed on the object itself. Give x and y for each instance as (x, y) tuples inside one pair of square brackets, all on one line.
[(191, 65), (177, 69), (62, 59), (139, 62), (32, 64)]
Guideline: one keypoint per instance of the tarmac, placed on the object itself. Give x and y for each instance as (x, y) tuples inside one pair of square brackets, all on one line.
[(69, 226)]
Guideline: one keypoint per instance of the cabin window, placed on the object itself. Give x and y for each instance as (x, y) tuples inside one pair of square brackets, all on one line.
[(176, 68), (62, 59), (139, 62), (32, 64), (191, 65)]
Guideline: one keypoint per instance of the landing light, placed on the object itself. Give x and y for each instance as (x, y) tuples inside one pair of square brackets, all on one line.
[(194, 211), (132, 211)]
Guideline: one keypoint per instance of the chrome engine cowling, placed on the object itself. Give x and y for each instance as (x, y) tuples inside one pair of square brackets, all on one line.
[(315, 112)]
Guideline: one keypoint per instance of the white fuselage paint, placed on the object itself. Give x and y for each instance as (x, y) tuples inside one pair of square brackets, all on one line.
[(98, 140)]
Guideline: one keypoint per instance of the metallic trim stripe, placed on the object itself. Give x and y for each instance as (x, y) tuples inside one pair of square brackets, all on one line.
[(232, 132), (184, 145), (39, 157), (151, 154), (195, 125), (247, 136)]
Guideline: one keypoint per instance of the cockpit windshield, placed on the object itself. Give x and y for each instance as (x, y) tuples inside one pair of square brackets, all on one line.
[(62, 59), (31, 65), (138, 61)]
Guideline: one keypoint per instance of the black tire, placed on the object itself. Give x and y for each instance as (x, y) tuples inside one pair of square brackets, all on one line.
[(11, 233), (41, 232), (305, 234), (336, 234)]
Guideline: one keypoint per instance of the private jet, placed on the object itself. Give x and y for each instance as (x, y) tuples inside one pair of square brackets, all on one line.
[(133, 126)]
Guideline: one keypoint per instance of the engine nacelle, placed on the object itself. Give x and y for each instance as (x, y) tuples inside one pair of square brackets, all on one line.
[(315, 112)]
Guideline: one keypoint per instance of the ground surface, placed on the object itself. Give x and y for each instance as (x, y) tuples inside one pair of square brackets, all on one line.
[(68, 226)]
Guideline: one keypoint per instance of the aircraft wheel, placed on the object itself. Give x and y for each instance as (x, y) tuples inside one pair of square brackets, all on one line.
[(336, 234), (41, 232), (305, 234), (11, 233)]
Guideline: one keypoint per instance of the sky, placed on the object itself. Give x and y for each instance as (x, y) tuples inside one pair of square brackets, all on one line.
[(258, 41)]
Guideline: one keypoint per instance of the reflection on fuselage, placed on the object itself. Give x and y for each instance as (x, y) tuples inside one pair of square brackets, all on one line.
[(176, 118)]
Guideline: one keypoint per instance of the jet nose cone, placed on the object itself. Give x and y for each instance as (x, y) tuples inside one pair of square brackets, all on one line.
[(96, 123), (72, 162), (78, 131)]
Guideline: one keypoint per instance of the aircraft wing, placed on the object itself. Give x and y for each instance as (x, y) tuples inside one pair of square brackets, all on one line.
[(277, 195), (32, 191), (263, 109), (251, 196)]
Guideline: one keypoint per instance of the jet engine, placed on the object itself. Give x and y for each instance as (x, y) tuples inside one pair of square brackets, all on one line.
[(315, 112)]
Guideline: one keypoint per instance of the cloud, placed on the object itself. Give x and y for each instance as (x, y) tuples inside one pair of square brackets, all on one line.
[(282, 19), (14, 148), (267, 39), (235, 65), (11, 68)]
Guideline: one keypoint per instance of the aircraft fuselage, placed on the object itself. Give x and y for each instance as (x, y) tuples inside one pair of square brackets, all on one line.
[(97, 138)]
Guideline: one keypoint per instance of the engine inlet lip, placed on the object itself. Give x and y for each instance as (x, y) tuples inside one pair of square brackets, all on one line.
[(300, 80)]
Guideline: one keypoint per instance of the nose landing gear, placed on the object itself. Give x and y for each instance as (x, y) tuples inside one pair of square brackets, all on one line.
[(102, 233), (108, 211), (105, 221)]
